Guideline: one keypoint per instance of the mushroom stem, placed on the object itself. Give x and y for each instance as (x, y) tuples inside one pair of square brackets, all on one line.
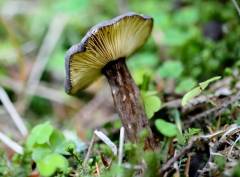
[(127, 100)]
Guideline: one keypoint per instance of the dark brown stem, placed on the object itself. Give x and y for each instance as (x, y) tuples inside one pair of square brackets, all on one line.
[(127, 100)]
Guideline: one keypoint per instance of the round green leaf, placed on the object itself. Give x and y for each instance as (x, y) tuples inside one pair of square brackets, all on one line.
[(48, 165), (171, 69), (40, 134), (139, 73), (185, 85), (40, 152), (151, 104), (166, 128), (175, 37), (186, 16)]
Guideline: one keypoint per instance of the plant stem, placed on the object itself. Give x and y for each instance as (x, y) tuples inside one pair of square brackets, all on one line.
[(127, 100)]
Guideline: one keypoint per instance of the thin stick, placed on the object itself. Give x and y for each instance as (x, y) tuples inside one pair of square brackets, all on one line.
[(187, 167), (11, 144), (52, 37), (13, 39), (235, 142), (214, 112), (43, 91), (121, 143), (184, 151), (12, 112), (237, 6), (97, 170), (176, 167), (107, 141), (89, 150), (230, 131), (48, 45)]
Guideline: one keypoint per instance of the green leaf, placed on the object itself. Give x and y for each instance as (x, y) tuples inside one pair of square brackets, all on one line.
[(191, 132), (197, 90), (50, 163), (185, 85), (143, 59), (186, 16), (139, 73), (166, 128), (40, 152), (204, 84), (190, 95), (175, 37), (152, 103), (237, 121), (220, 161), (236, 170), (40, 134), (71, 6), (58, 142), (170, 69), (162, 20)]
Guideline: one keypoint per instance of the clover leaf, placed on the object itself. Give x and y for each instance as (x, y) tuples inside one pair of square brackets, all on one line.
[(166, 128), (39, 134), (52, 162)]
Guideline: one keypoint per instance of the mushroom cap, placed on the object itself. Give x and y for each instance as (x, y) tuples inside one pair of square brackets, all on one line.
[(105, 42)]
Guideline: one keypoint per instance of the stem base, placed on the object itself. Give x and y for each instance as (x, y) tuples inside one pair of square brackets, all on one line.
[(127, 100)]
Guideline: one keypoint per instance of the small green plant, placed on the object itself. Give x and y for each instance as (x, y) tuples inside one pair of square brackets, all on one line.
[(171, 69), (185, 85), (4, 169), (220, 162), (152, 103), (236, 171), (48, 147), (197, 90), (166, 128), (191, 132), (20, 165)]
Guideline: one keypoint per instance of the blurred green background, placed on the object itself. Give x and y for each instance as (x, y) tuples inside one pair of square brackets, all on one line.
[(191, 42)]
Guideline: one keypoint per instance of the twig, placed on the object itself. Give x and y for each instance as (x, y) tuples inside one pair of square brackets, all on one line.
[(11, 144), (212, 135), (107, 141), (187, 167), (12, 8), (13, 113), (202, 99), (13, 39), (48, 45), (216, 111), (52, 37), (235, 142), (121, 143), (42, 91), (89, 151), (97, 170), (176, 167), (232, 129), (237, 6), (185, 150)]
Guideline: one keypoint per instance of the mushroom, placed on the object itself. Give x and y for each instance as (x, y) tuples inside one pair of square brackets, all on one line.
[(104, 50)]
